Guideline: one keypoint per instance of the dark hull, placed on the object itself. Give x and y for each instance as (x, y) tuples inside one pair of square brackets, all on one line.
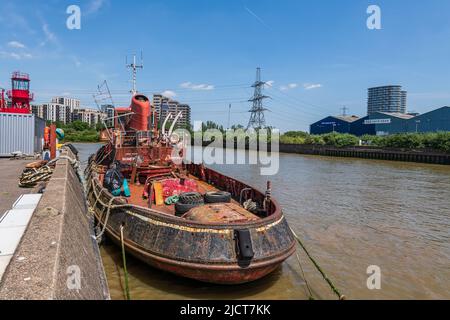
[(218, 274), (204, 252)]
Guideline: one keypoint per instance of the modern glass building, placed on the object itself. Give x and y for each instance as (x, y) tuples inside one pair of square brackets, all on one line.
[(386, 99)]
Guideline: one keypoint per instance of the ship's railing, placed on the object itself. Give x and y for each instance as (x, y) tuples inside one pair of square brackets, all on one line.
[(20, 76)]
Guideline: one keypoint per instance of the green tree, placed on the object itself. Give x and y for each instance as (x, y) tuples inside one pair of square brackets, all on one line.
[(79, 125)]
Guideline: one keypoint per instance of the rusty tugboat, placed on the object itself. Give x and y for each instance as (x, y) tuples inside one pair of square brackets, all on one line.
[(182, 218)]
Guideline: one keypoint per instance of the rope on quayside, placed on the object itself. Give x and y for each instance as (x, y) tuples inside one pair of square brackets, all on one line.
[(124, 259), (330, 283)]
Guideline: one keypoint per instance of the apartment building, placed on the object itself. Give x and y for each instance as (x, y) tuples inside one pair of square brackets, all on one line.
[(164, 105), (90, 116), (386, 99)]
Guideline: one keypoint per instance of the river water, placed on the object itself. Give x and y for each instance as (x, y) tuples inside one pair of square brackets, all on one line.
[(351, 214)]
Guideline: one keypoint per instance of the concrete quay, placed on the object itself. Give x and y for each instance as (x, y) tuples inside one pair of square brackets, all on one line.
[(57, 257), (10, 171)]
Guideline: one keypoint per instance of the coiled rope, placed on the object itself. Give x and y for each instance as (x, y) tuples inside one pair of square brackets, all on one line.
[(325, 277), (32, 176)]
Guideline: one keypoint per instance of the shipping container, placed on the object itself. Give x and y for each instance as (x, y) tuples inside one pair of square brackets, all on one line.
[(20, 132)]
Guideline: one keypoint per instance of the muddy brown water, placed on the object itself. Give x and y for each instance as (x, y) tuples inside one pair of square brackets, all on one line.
[(351, 214)]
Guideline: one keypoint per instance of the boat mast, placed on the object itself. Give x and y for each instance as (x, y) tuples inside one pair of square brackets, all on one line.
[(134, 67)]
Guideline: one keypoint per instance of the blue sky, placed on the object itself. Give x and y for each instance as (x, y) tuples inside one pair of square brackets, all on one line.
[(318, 55)]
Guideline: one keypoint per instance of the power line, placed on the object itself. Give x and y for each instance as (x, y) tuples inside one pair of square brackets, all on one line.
[(295, 106), (305, 103), (156, 90)]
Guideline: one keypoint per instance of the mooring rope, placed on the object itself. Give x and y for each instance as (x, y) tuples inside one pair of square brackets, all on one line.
[(108, 211), (311, 297), (31, 177), (124, 259), (330, 283), (108, 206)]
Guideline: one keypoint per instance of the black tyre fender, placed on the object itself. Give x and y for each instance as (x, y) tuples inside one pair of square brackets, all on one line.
[(218, 197), (182, 208), (191, 198)]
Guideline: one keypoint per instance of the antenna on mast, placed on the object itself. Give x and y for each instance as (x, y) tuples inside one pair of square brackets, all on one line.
[(134, 67)]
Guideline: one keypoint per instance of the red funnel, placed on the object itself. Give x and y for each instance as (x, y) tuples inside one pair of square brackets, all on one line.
[(140, 106)]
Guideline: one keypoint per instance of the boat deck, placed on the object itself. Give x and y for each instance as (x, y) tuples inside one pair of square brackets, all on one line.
[(137, 199), (214, 212)]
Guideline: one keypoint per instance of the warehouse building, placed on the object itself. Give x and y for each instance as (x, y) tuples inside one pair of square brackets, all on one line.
[(341, 124), (433, 121), (385, 123)]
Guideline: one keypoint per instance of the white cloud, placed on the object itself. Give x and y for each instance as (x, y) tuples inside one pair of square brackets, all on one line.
[(169, 94), (311, 86), (49, 35), (15, 55), (95, 5), (289, 87), (192, 86), (269, 84), (12, 17), (76, 61), (16, 45)]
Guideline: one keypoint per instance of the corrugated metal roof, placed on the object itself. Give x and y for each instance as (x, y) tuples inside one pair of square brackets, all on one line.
[(347, 118), (398, 115)]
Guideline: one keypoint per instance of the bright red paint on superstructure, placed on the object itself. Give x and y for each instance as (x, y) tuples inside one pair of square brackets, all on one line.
[(140, 107), (136, 116), (2, 99), (20, 95)]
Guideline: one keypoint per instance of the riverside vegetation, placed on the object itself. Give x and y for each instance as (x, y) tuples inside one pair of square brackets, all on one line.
[(437, 141), (78, 131)]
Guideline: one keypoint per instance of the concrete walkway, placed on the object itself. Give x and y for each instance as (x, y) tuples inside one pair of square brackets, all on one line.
[(10, 171), (58, 256)]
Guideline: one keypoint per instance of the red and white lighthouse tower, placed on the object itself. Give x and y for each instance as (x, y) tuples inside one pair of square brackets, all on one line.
[(20, 96)]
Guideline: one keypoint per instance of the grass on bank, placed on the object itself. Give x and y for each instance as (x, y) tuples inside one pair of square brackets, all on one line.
[(437, 141)]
